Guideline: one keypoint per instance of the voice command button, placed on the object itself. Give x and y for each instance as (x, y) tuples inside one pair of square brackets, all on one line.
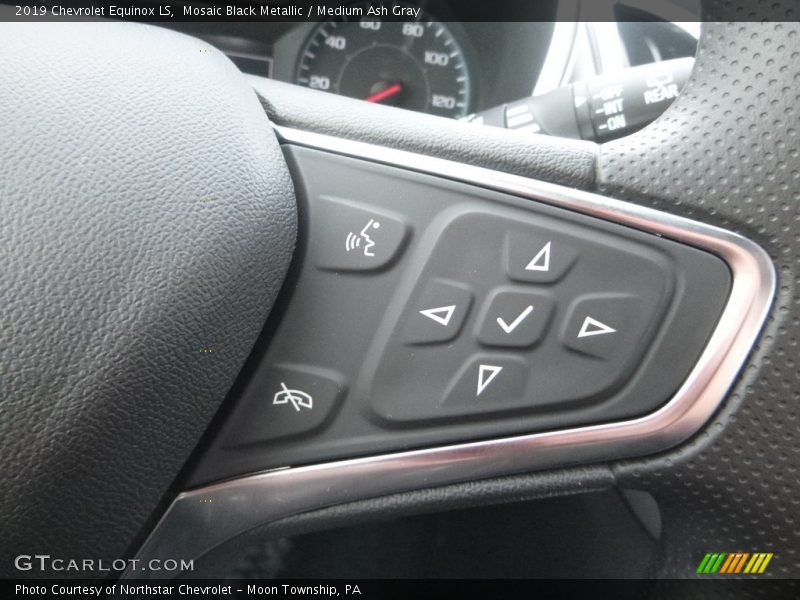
[(349, 236)]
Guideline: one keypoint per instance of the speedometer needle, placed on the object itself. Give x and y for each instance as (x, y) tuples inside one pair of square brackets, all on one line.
[(384, 94)]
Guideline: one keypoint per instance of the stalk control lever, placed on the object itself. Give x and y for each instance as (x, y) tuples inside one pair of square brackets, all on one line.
[(598, 109)]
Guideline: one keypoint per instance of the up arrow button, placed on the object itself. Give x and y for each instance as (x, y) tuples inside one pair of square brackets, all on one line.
[(540, 262), (536, 257)]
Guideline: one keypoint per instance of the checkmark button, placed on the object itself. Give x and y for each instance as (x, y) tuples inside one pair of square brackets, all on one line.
[(509, 327), (514, 318)]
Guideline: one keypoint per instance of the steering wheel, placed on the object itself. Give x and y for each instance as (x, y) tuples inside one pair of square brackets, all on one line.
[(164, 231)]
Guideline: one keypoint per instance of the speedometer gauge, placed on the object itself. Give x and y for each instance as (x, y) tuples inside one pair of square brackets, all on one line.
[(417, 65)]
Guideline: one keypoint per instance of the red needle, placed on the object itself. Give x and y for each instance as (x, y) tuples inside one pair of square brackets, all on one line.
[(383, 94)]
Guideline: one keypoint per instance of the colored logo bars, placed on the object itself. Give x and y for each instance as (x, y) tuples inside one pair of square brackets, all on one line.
[(734, 562)]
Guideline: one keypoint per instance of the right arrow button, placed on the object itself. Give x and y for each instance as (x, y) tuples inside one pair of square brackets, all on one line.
[(606, 326), (592, 327)]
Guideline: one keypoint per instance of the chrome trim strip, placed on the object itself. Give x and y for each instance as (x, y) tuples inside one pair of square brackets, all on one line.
[(607, 46), (555, 68), (201, 519)]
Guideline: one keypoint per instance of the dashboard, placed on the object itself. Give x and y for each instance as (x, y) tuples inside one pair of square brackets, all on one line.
[(435, 63), (429, 65)]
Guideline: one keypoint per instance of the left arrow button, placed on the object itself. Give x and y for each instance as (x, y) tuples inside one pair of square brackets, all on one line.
[(438, 312), (441, 315)]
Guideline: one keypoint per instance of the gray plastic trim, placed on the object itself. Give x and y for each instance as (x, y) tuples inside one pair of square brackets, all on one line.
[(199, 520)]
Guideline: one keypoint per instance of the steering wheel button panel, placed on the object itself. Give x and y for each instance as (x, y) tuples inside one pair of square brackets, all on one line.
[(355, 237), (467, 245), (481, 315), (717, 297), (439, 313), (286, 400), (514, 318)]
